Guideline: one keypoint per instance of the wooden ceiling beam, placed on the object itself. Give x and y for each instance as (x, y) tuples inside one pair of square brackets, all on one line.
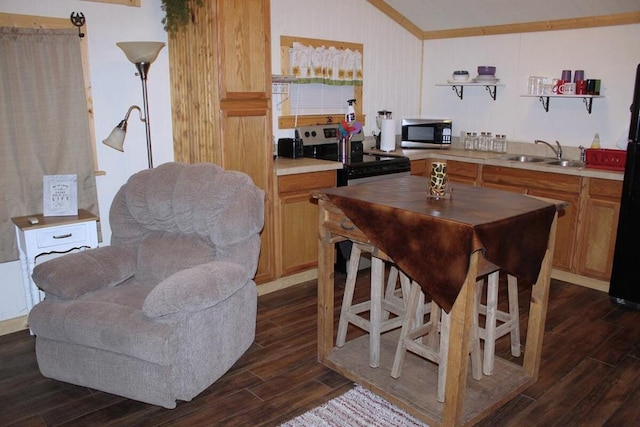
[(525, 27), (528, 27)]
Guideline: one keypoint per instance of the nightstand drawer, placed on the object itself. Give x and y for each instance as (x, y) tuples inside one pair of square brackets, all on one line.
[(65, 235)]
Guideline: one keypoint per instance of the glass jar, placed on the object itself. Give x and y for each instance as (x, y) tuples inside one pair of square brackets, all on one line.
[(468, 141), (489, 139)]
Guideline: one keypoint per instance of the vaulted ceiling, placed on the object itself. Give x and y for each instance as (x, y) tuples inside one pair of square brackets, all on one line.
[(429, 19)]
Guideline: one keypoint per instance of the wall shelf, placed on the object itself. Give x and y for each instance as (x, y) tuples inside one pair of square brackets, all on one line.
[(459, 88), (544, 99)]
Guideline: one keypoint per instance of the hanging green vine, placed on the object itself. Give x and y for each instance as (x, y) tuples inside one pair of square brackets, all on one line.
[(178, 13)]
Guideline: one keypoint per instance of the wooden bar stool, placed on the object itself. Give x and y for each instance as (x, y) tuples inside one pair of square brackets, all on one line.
[(435, 346), (386, 311), (510, 321)]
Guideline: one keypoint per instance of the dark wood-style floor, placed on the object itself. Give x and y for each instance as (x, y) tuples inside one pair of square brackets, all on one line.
[(590, 374)]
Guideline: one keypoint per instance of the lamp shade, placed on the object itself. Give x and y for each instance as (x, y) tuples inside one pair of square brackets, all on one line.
[(141, 51), (116, 138)]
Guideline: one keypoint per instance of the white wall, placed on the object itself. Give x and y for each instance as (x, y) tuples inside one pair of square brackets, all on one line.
[(392, 56), (393, 81), (114, 88), (607, 53)]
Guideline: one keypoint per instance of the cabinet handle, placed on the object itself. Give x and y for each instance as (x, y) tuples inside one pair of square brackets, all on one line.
[(346, 224), (63, 236)]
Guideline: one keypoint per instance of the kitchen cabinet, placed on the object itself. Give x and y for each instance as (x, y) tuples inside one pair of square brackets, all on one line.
[(544, 184), (297, 220), (464, 172), (220, 72), (597, 228)]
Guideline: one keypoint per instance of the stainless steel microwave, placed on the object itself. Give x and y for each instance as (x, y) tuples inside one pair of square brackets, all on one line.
[(426, 133)]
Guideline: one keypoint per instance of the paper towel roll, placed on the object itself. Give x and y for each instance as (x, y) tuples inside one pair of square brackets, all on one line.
[(387, 135)]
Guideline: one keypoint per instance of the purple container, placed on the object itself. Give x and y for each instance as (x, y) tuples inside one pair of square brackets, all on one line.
[(578, 75), (566, 75)]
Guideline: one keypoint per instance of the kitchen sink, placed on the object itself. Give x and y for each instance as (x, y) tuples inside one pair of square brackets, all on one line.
[(567, 163), (526, 159)]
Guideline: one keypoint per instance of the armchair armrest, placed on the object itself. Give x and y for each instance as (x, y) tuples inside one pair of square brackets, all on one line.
[(195, 288), (75, 274)]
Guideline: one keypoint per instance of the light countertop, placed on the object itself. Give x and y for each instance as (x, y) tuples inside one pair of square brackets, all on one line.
[(284, 166)]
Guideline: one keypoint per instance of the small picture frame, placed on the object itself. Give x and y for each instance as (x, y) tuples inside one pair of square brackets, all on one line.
[(60, 195)]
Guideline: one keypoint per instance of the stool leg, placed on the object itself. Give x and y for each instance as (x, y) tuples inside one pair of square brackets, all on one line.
[(445, 327), (390, 290), (490, 325), (407, 326), (514, 315), (474, 346), (432, 340), (347, 299), (375, 319)]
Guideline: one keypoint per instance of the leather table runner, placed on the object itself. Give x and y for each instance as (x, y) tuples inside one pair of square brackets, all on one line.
[(431, 240)]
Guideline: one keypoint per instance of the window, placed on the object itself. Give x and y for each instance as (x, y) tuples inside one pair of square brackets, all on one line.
[(314, 101), (46, 126)]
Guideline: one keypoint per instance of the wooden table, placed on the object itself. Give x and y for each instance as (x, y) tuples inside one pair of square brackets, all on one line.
[(467, 401)]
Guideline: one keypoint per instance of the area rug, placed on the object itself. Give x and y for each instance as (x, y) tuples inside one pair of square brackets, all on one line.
[(356, 408)]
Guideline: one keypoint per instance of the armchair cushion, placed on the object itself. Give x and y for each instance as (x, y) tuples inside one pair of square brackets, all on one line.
[(73, 275), (162, 254), (195, 289)]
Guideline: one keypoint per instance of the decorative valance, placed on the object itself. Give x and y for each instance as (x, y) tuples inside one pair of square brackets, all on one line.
[(331, 66)]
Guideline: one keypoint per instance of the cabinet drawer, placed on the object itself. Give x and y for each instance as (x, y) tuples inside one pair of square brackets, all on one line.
[(338, 223), (531, 179), (605, 188), (58, 236), (469, 170), (306, 181)]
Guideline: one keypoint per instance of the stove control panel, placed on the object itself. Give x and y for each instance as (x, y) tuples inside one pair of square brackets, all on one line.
[(323, 134)]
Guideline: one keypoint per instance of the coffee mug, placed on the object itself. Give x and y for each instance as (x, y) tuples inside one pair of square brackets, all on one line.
[(581, 87), (591, 87), (558, 87), (569, 89)]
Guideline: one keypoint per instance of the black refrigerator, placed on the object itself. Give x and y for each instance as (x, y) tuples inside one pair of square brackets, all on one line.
[(625, 276)]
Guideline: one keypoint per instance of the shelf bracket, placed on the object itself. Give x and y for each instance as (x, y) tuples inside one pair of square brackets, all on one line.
[(459, 90), (588, 102), (492, 93), (545, 104)]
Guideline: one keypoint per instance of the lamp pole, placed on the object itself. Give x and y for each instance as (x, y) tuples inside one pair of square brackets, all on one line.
[(143, 69)]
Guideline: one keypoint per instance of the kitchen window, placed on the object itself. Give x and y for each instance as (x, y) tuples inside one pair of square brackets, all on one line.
[(320, 92)]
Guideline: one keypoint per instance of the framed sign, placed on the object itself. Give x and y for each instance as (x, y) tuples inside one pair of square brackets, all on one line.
[(60, 195)]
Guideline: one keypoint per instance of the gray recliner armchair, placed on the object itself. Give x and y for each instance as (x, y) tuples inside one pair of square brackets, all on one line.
[(170, 305)]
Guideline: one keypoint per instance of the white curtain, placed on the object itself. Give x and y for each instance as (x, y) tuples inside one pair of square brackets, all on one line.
[(44, 123), (327, 65)]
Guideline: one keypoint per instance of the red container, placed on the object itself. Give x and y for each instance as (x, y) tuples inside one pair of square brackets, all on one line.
[(603, 158)]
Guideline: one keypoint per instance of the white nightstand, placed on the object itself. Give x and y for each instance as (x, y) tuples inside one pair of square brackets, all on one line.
[(51, 234)]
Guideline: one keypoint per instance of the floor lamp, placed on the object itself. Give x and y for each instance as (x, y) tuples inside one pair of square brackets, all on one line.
[(142, 54)]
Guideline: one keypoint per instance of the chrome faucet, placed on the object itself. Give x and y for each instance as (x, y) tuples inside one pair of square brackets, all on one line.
[(557, 152)]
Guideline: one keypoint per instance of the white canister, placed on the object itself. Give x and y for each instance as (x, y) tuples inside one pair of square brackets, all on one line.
[(387, 135)]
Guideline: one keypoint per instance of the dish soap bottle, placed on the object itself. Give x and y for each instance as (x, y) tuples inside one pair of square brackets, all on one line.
[(596, 141), (350, 117)]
